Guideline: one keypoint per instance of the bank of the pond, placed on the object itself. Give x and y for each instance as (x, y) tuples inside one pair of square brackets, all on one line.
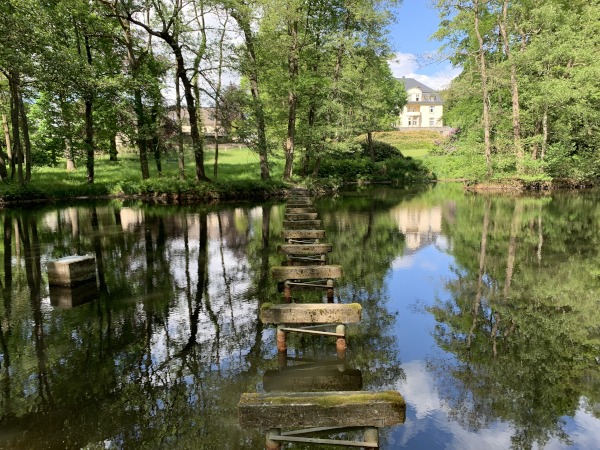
[(517, 184), (168, 191)]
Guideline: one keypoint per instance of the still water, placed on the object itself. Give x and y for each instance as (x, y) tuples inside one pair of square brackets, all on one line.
[(482, 311)]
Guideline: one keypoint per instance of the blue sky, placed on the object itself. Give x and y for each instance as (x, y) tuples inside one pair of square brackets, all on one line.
[(410, 36)]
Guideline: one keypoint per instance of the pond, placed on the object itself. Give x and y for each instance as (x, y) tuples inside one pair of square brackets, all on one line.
[(483, 311)]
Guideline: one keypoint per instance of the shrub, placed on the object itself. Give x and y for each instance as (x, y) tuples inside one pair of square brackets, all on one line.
[(382, 150), (347, 169)]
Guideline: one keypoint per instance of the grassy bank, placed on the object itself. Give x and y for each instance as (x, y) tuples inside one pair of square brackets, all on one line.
[(238, 178)]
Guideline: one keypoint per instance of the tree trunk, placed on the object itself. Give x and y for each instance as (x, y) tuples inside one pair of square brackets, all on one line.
[(26, 139), (371, 146), (154, 140), (3, 161), (89, 122), (180, 150), (292, 101), (142, 143), (485, 92), (17, 153), (545, 133), (69, 154), (113, 147), (251, 71), (514, 89)]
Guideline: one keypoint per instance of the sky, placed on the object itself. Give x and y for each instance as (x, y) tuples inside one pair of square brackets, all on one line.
[(410, 36)]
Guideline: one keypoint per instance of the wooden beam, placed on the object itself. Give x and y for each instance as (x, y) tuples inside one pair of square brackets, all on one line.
[(301, 216), (303, 234), (301, 224), (305, 409), (311, 313), (283, 273), (305, 249)]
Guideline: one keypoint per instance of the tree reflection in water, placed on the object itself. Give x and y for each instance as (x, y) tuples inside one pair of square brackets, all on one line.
[(161, 357)]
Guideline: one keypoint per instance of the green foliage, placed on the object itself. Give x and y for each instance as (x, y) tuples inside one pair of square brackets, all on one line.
[(347, 169), (381, 149), (404, 170)]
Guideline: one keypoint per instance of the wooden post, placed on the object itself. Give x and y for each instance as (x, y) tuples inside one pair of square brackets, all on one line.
[(372, 435), (330, 291), (287, 291), (281, 344), (340, 345), (270, 444)]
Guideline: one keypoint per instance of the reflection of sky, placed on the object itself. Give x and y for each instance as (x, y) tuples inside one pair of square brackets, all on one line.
[(416, 282)]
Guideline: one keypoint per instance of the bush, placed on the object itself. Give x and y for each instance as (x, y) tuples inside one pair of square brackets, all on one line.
[(405, 170), (347, 169), (382, 150)]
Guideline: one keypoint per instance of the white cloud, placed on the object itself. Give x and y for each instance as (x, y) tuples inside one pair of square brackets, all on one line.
[(407, 65)]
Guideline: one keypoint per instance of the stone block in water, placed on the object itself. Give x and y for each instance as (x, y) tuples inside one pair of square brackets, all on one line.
[(71, 270), (72, 296)]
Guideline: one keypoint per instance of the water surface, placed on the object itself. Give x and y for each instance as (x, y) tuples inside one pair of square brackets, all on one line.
[(483, 311)]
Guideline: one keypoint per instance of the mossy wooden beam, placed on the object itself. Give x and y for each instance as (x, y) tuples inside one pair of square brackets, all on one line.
[(301, 216), (282, 273), (311, 313), (330, 409), (303, 234), (305, 249), (299, 210), (301, 224)]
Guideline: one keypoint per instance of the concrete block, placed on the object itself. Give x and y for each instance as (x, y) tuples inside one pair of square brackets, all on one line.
[(311, 313), (282, 273), (303, 234), (305, 249), (301, 224), (326, 409), (301, 216), (71, 270)]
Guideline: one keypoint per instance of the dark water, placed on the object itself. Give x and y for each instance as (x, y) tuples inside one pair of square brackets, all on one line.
[(484, 312)]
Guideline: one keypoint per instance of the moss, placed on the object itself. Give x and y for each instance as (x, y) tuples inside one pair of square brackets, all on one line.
[(265, 306), (356, 306), (329, 401)]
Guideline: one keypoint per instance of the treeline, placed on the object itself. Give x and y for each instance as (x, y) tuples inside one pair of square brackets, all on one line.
[(529, 92), (77, 76)]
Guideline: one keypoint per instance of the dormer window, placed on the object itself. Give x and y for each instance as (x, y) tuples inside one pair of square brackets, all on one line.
[(417, 97)]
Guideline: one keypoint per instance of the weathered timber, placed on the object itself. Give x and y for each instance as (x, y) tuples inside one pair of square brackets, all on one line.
[(294, 379), (331, 409), (299, 202), (303, 234), (313, 313), (282, 273), (71, 271), (72, 296), (301, 224), (301, 216), (299, 210), (304, 249)]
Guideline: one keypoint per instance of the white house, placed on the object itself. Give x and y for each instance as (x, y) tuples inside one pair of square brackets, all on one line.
[(424, 108)]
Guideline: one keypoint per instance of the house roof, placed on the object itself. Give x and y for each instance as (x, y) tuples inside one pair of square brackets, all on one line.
[(411, 83)]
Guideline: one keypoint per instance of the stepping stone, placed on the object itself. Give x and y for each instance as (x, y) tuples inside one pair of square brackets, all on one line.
[(71, 270), (303, 236), (311, 277), (328, 409), (300, 210), (305, 253), (311, 313), (301, 216), (301, 224), (318, 317)]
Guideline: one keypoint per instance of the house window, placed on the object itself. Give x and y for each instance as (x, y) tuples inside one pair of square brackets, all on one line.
[(412, 121), (431, 122), (417, 97), (432, 109)]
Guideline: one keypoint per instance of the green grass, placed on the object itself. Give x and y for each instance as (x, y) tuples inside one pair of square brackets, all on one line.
[(415, 144), (238, 176)]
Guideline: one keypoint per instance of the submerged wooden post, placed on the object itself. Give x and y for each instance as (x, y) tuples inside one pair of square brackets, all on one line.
[(340, 345), (330, 291), (281, 344), (372, 435), (271, 444)]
